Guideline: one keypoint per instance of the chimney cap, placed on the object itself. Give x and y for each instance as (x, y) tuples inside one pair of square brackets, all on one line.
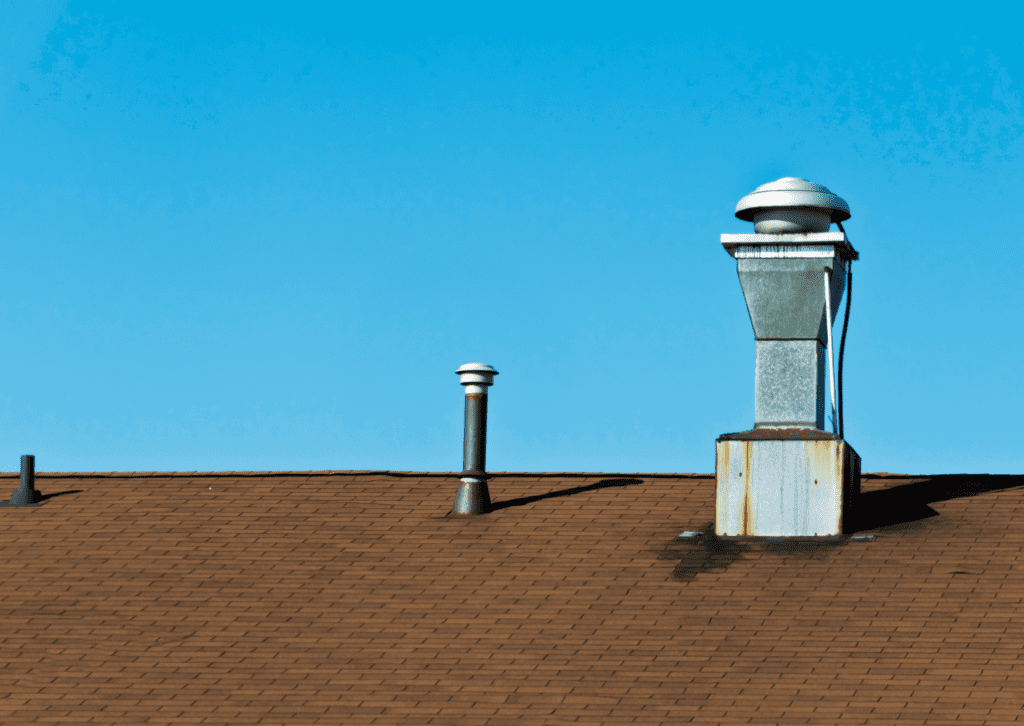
[(789, 192)]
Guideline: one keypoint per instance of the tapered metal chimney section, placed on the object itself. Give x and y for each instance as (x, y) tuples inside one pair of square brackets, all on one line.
[(473, 496), (26, 496), (788, 476)]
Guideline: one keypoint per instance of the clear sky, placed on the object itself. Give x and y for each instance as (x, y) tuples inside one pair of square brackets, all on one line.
[(263, 236)]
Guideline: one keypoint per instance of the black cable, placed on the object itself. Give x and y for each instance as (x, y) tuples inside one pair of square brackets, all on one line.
[(842, 344)]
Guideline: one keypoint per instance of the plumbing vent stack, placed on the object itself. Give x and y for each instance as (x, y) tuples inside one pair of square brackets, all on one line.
[(26, 496), (473, 496)]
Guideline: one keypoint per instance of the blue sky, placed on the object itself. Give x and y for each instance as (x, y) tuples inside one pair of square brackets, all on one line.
[(263, 237)]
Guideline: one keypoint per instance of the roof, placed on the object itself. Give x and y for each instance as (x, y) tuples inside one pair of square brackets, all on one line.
[(350, 598)]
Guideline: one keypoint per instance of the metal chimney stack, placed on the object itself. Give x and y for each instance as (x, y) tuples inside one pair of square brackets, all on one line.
[(788, 476)]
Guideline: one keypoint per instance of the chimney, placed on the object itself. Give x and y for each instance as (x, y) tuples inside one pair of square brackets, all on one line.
[(788, 476)]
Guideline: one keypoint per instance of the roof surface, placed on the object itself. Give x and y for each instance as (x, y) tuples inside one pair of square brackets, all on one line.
[(348, 598)]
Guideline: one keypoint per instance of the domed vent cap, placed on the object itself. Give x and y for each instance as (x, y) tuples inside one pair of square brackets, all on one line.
[(473, 373), (791, 193)]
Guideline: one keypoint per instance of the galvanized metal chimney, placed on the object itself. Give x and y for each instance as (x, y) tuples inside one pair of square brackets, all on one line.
[(787, 476)]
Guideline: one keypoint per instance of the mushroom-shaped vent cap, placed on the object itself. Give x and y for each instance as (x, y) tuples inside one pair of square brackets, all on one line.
[(792, 192), (476, 368), (476, 373)]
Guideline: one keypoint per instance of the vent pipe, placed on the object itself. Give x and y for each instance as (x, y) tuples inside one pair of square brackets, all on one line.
[(473, 496), (26, 496)]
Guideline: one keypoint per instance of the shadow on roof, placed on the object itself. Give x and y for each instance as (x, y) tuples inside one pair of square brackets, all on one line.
[(706, 553), (44, 497), (709, 553), (902, 505), (898, 509), (603, 484), (38, 497)]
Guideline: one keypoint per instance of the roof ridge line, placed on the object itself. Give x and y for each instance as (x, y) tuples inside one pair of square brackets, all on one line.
[(339, 472)]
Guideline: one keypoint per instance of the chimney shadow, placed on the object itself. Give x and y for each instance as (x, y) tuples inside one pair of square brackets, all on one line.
[(603, 484), (906, 506)]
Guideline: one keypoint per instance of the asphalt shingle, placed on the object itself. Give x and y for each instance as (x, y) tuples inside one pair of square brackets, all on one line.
[(350, 598)]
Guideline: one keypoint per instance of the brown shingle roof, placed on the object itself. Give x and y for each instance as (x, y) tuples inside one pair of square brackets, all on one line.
[(344, 598)]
